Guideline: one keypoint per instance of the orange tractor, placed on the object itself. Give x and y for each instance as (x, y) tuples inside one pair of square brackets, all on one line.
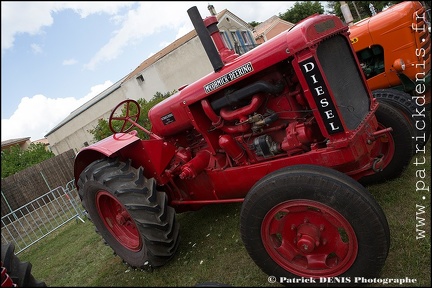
[(393, 48)]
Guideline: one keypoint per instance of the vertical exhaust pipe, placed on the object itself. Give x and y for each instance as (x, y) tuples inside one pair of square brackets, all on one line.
[(205, 38)]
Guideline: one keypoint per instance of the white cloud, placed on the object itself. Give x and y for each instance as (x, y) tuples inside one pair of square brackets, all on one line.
[(183, 30), (37, 115), (36, 48), (31, 17), (148, 18), (68, 62), (22, 17), (87, 8), (152, 17)]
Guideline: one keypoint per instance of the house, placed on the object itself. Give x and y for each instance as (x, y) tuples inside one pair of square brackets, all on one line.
[(270, 28), (163, 72), (236, 33), (43, 141), (23, 143)]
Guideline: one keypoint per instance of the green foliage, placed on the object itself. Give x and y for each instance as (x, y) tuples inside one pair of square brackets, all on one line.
[(301, 10), (102, 129), (15, 159), (254, 23), (361, 9)]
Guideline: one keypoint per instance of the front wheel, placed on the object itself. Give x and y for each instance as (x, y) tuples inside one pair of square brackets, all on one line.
[(314, 222), (130, 214)]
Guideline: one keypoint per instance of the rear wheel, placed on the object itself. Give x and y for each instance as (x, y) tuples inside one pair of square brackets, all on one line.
[(416, 115), (130, 214), (16, 273), (394, 150), (311, 221)]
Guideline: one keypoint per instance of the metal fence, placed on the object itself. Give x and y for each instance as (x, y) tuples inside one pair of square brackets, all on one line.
[(40, 217)]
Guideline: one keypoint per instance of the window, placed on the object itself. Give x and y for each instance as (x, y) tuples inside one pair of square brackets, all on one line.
[(234, 36), (246, 38), (140, 79), (226, 40)]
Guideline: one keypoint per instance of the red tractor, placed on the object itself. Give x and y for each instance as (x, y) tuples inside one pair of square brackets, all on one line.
[(290, 129), (14, 272)]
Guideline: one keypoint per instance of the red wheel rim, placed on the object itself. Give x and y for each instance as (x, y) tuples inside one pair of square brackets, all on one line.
[(309, 239), (118, 221)]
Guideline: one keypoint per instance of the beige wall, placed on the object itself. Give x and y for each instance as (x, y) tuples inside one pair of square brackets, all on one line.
[(73, 134), (184, 65), (22, 144), (276, 30), (152, 83)]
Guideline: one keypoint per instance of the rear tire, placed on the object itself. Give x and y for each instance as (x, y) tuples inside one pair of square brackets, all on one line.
[(308, 221), (412, 112), (129, 213), (17, 271), (395, 150)]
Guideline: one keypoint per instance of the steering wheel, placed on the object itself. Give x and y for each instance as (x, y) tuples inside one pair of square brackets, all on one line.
[(123, 120)]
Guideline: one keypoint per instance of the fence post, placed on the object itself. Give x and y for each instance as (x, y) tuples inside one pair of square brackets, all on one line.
[(10, 208), (71, 199), (46, 182)]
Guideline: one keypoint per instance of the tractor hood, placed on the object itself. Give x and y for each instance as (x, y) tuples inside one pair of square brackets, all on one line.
[(172, 115)]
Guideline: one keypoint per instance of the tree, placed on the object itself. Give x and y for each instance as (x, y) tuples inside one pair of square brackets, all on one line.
[(254, 23), (15, 159), (301, 10), (361, 9), (102, 130)]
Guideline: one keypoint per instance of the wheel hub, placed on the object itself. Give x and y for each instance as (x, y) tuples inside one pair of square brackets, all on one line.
[(308, 237), (118, 221), (122, 217)]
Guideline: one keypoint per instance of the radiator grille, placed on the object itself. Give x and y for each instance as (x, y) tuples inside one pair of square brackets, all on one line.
[(344, 80)]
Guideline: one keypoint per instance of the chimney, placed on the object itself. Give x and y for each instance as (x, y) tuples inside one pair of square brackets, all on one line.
[(212, 10)]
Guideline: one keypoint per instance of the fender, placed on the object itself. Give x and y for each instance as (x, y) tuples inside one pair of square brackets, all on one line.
[(104, 148), (152, 155)]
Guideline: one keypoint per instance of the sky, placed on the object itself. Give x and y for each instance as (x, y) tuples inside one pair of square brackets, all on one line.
[(56, 56)]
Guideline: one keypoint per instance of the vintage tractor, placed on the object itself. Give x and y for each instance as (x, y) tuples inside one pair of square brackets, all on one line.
[(14, 272), (394, 48), (289, 129)]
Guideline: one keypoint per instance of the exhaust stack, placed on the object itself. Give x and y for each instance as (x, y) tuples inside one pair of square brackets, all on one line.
[(209, 35)]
